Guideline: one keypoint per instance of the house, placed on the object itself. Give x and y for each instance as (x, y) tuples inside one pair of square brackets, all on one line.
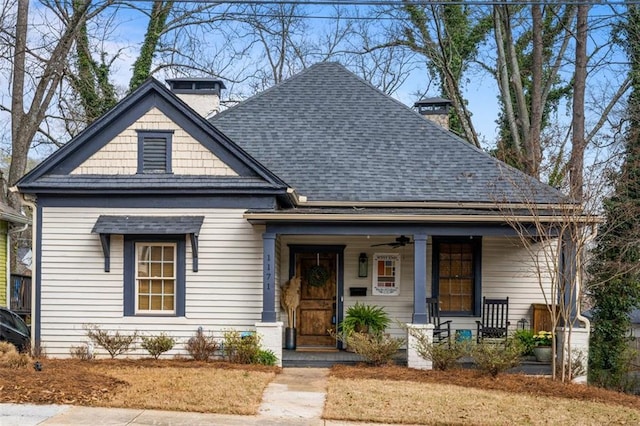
[(15, 297), (156, 219)]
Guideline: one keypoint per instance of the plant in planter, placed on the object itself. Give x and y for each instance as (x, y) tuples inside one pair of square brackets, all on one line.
[(363, 318), (290, 299), (527, 339), (543, 350)]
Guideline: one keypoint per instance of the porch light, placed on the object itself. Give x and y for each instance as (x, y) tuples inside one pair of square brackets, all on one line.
[(523, 324), (363, 265)]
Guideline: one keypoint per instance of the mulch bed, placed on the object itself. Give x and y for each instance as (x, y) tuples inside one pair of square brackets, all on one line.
[(520, 383)]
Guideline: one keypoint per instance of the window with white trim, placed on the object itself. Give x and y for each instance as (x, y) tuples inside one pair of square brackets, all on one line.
[(155, 277)]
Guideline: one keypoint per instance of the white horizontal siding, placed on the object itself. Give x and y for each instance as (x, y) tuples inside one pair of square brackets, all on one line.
[(225, 293)]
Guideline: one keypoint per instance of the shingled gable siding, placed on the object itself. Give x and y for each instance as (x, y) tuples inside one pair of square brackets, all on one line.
[(506, 271), (120, 156), (225, 293)]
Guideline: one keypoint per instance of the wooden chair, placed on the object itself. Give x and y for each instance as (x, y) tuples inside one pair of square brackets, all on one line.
[(495, 319), (442, 329)]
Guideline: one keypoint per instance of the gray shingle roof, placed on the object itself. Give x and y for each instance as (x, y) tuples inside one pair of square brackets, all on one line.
[(147, 225), (150, 181), (332, 136)]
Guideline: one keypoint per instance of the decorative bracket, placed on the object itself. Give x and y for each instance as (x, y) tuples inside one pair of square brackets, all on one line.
[(194, 250), (105, 240)]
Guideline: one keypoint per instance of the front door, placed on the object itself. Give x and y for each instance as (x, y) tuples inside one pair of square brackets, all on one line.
[(318, 272)]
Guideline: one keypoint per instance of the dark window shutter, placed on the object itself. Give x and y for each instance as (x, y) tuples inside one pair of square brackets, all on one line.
[(154, 154)]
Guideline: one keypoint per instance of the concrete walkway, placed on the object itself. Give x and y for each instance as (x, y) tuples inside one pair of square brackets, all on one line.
[(295, 397)]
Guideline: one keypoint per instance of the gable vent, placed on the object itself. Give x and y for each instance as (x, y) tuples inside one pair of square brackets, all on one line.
[(154, 151), (154, 154)]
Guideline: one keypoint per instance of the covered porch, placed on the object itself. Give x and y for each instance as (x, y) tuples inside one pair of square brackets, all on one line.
[(458, 262)]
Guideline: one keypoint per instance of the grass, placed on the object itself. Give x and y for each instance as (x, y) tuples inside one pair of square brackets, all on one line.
[(372, 400), (208, 390), (179, 385), (389, 394), (399, 395)]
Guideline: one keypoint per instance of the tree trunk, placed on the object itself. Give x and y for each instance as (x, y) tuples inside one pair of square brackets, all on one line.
[(157, 21), (576, 162)]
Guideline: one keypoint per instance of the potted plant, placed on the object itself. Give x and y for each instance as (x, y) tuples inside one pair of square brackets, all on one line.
[(290, 299), (361, 318), (542, 349)]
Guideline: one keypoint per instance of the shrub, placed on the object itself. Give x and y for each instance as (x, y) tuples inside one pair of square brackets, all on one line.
[(11, 358), (81, 352), (157, 345), (38, 351), (495, 358), (265, 357), (201, 347), (241, 349), (364, 318), (376, 348), (443, 355), (115, 344), (527, 340), (6, 347)]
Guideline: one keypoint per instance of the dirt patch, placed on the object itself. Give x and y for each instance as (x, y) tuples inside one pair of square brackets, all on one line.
[(514, 383)]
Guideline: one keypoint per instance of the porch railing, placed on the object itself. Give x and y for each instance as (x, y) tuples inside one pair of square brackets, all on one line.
[(20, 294)]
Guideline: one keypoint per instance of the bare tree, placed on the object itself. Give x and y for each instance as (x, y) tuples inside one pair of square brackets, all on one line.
[(448, 36), (45, 68), (555, 238)]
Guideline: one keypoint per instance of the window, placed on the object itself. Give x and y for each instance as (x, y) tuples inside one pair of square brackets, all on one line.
[(155, 273), (155, 277), (154, 151), (456, 275)]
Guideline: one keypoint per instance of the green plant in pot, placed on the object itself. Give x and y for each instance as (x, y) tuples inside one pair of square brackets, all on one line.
[(361, 318)]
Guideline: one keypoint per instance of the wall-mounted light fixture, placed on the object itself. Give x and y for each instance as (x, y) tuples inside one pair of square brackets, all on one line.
[(523, 324), (363, 265)]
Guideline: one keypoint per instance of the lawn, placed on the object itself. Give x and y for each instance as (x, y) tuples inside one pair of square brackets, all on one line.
[(182, 385), (375, 394), (400, 395)]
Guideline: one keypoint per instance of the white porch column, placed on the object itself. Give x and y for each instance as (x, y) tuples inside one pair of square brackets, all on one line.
[(413, 359), (271, 338), (578, 351)]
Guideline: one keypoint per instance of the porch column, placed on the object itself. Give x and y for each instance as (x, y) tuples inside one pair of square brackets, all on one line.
[(268, 277), (420, 279), (568, 275)]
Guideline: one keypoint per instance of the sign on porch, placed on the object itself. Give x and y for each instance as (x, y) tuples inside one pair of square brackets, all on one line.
[(386, 274)]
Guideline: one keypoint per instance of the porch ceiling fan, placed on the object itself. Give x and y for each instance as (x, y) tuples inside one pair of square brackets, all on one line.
[(400, 241)]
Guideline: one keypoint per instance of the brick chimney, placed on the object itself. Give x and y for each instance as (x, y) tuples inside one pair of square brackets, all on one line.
[(201, 94), (435, 109)]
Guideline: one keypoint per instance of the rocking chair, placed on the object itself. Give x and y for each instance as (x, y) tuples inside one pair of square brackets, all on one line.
[(442, 329), (494, 323)]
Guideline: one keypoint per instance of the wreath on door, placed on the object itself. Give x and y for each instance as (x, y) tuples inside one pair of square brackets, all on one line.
[(317, 276)]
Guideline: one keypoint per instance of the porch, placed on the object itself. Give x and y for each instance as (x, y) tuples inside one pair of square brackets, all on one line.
[(327, 359)]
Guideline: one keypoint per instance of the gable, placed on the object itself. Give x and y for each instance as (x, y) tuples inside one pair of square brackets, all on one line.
[(120, 155), (104, 157)]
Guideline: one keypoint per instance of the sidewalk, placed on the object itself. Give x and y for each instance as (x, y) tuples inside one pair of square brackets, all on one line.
[(295, 397)]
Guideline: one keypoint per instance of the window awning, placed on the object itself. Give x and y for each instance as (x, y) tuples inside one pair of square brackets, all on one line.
[(147, 225)]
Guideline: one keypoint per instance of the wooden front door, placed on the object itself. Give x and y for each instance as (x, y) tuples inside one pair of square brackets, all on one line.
[(317, 310)]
